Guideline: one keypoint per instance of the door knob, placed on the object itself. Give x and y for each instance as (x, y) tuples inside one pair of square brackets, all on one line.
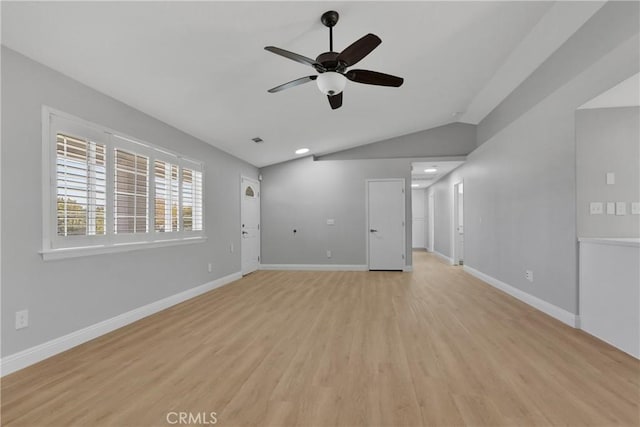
[(373, 231), (244, 232)]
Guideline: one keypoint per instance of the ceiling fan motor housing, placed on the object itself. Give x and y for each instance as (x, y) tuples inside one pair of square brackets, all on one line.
[(329, 60)]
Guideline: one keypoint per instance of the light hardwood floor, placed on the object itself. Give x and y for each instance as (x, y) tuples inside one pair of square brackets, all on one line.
[(432, 347)]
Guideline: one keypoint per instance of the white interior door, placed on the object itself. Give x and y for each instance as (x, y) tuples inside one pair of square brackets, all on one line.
[(386, 227), (250, 224), (432, 224)]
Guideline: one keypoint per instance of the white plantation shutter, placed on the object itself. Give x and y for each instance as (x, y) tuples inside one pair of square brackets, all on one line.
[(191, 200), (131, 192), (103, 191), (198, 222), (167, 193), (80, 186)]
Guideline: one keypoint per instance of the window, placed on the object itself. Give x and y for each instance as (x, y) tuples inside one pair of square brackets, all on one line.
[(108, 191)]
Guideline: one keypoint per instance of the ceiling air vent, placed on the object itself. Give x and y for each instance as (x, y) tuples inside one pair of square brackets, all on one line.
[(257, 140)]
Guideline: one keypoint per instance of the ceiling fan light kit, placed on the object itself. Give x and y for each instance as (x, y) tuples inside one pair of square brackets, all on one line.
[(331, 83), (332, 66)]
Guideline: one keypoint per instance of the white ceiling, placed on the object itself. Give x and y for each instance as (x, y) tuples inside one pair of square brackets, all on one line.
[(201, 66), (422, 179), (624, 94)]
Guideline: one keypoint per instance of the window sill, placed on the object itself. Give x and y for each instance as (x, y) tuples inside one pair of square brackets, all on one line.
[(63, 253)]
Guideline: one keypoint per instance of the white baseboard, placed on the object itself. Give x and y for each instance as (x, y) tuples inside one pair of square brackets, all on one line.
[(314, 267), (535, 302), (408, 268), (444, 257), (24, 358)]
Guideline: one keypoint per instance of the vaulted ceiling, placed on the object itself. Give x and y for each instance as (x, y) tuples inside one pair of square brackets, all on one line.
[(202, 67)]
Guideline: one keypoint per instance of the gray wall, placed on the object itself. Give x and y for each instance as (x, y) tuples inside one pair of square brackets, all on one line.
[(608, 140), (304, 193), (455, 139), (612, 25), (519, 185), (66, 295)]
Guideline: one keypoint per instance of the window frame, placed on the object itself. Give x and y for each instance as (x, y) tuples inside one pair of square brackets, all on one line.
[(57, 247)]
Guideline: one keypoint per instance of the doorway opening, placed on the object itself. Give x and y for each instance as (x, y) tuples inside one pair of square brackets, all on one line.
[(418, 219)]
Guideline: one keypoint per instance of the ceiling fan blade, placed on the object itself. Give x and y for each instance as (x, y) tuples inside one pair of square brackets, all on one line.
[(359, 49), (374, 78), (295, 57), (335, 101), (292, 83)]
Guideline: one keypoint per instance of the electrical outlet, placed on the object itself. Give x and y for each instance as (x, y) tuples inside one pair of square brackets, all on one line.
[(22, 319), (635, 208), (210, 267), (611, 208), (231, 247), (621, 208), (328, 254), (528, 274)]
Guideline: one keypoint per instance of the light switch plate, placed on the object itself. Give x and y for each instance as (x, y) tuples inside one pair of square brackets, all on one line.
[(611, 208), (331, 222), (635, 208), (611, 178), (621, 208), (595, 208)]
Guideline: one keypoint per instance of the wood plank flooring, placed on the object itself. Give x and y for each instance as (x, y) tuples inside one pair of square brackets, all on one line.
[(433, 347)]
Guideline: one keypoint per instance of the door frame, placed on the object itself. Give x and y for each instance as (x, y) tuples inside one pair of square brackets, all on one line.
[(404, 215), (455, 259), (259, 231)]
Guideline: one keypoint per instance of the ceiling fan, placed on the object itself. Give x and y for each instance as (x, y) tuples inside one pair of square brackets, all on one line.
[(332, 66)]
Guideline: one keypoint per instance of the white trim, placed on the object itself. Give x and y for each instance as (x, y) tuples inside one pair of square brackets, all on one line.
[(24, 358), (75, 252), (633, 242), (535, 302), (408, 268), (443, 256), (314, 267)]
